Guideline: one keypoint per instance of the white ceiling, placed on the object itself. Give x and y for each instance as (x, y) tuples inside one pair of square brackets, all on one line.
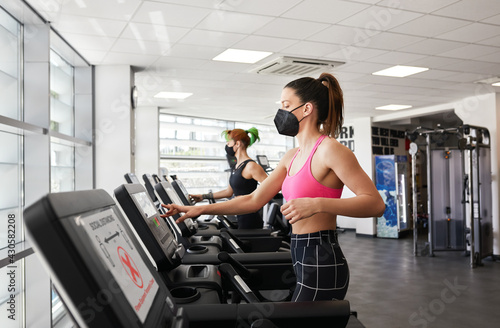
[(172, 43)]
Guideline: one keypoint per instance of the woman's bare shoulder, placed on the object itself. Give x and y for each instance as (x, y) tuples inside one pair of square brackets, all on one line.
[(285, 160), (332, 146), (290, 152)]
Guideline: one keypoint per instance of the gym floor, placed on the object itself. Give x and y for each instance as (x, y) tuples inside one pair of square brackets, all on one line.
[(391, 288)]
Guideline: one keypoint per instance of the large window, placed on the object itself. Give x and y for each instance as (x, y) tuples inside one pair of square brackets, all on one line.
[(61, 121), (193, 149), (11, 186), (271, 144), (62, 164), (10, 66), (11, 229), (11, 190), (45, 116), (61, 95)]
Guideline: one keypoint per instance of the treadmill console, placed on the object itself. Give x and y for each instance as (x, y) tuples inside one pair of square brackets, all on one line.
[(182, 192), (153, 230), (168, 195), (96, 262), (131, 178)]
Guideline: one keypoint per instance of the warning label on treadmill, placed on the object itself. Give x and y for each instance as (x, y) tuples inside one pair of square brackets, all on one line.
[(101, 222), (117, 253)]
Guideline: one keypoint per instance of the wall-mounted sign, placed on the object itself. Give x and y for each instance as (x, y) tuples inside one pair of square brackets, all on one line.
[(346, 137)]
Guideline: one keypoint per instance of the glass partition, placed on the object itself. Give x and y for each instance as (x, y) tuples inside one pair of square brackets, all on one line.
[(10, 52), (61, 95), (44, 86), (62, 166), (11, 187)]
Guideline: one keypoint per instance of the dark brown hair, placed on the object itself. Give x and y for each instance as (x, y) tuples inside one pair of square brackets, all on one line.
[(325, 93)]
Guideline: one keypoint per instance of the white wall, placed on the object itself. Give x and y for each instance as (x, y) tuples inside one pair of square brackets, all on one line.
[(147, 150), (363, 152), (482, 110), (113, 126)]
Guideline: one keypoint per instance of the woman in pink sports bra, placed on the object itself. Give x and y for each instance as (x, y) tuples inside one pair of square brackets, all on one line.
[(311, 178)]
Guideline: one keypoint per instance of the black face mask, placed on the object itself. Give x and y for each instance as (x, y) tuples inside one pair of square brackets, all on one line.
[(286, 123), (230, 151)]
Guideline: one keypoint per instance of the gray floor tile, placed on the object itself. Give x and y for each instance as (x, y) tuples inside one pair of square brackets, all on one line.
[(390, 287)]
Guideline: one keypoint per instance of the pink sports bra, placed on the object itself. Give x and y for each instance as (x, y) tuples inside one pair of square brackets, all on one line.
[(303, 184)]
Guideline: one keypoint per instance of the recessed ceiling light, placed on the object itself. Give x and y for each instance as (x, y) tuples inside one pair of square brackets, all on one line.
[(497, 84), (242, 56), (494, 81), (400, 71), (173, 95), (393, 107)]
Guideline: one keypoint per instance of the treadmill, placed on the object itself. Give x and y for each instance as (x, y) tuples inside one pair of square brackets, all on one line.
[(198, 262), (237, 240), (161, 243), (104, 279), (189, 227), (98, 267), (131, 178)]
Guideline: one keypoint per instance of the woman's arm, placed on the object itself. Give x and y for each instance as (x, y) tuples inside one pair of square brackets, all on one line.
[(238, 205), (254, 171), (226, 193), (366, 203)]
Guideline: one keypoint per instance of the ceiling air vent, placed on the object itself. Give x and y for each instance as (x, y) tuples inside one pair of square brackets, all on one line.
[(296, 66)]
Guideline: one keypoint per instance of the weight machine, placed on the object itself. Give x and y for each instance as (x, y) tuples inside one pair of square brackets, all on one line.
[(459, 190)]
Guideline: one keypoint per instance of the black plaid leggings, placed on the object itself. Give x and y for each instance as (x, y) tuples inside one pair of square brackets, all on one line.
[(320, 266)]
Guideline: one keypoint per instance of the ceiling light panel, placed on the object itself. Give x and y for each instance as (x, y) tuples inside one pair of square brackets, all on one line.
[(242, 56), (400, 71), (393, 107), (173, 95)]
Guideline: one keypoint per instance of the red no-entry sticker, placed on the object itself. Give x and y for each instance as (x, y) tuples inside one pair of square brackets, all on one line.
[(130, 267)]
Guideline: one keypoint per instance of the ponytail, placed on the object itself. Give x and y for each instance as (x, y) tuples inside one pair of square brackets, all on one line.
[(253, 133), (332, 124), (326, 94), (247, 137)]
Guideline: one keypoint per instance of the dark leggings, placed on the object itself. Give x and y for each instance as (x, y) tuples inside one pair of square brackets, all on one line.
[(320, 266)]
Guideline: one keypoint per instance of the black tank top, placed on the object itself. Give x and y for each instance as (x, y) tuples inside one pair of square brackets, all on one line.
[(240, 185)]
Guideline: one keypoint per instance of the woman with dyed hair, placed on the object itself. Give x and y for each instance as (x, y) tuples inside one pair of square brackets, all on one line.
[(311, 178), (245, 176)]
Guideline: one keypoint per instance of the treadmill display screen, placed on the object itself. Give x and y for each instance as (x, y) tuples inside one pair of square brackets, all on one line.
[(263, 160), (145, 204), (155, 223), (184, 191), (121, 258), (173, 196)]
